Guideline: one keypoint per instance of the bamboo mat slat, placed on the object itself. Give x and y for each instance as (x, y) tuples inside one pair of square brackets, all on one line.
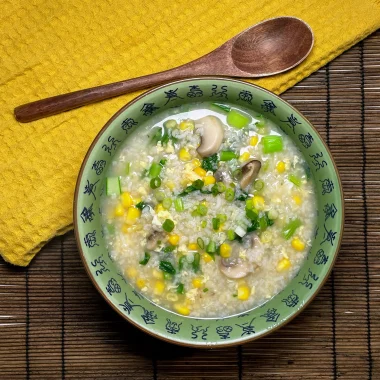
[(51, 330)]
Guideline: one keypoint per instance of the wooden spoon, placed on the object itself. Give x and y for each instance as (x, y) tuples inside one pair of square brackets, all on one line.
[(267, 48)]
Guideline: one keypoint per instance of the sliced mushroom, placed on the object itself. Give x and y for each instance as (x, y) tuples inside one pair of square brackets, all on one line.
[(222, 175), (249, 172), (234, 268), (152, 240), (212, 134)]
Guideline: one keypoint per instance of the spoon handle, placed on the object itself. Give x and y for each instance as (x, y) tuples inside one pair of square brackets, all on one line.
[(60, 103)]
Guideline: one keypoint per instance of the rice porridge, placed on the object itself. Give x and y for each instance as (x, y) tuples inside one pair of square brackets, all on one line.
[(209, 210)]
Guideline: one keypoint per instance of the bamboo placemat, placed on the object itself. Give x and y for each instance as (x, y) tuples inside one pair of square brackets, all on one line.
[(54, 325)]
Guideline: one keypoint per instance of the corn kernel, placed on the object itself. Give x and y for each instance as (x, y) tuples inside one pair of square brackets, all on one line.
[(197, 282), (133, 213), (126, 199), (119, 210), (159, 208), (173, 239), (186, 124), (206, 257), (131, 272), (297, 200), (196, 162), (225, 250), (243, 292), (200, 171), (140, 283), (280, 166), (170, 185), (244, 157), (158, 274), (283, 264), (181, 309), (258, 202), (159, 287), (184, 155), (125, 228), (193, 246), (298, 244), (254, 140), (209, 180)]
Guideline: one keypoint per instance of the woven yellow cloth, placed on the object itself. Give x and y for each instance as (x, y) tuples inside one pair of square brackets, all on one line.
[(53, 47)]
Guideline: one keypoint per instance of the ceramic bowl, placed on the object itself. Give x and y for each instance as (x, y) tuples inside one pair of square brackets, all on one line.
[(208, 332)]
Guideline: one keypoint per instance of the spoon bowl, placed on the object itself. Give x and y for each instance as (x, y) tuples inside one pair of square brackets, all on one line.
[(267, 48), (272, 47)]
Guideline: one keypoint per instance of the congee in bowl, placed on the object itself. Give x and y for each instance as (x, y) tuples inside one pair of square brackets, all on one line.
[(209, 209), (208, 212)]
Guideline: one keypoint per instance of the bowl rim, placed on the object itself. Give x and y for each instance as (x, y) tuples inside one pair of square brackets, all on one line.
[(104, 295)]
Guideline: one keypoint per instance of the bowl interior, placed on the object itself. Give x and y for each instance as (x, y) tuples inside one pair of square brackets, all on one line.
[(201, 331)]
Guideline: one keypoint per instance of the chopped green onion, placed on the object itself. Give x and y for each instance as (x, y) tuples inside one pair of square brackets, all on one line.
[(168, 225), (196, 262), (221, 187), (168, 276), (205, 290), (170, 123), (127, 168), (230, 194), (215, 223), (146, 258), (227, 155), (159, 195), (210, 163), (237, 120), (163, 162), (211, 247), (252, 215), (155, 170), (166, 203), (214, 190), (231, 235), (272, 144), (221, 217), (201, 243), (202, 209), (259, 185), (161, 134), (181, 262), (222, 107), (180, 289), (167, 267), (289, 230), (249, 204), (294, 179), (178, 204), (204, 223), (141, 205), (198, 184), (234, 295), (155, 183), (113, 186), (169, 248)]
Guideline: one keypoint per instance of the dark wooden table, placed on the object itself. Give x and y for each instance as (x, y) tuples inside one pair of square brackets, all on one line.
[(54, 325)]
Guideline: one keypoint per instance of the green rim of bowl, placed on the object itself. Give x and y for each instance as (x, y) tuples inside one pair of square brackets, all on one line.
[(209, 332)]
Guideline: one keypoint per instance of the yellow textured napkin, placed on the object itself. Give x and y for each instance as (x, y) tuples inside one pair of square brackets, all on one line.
[(53, 47)]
